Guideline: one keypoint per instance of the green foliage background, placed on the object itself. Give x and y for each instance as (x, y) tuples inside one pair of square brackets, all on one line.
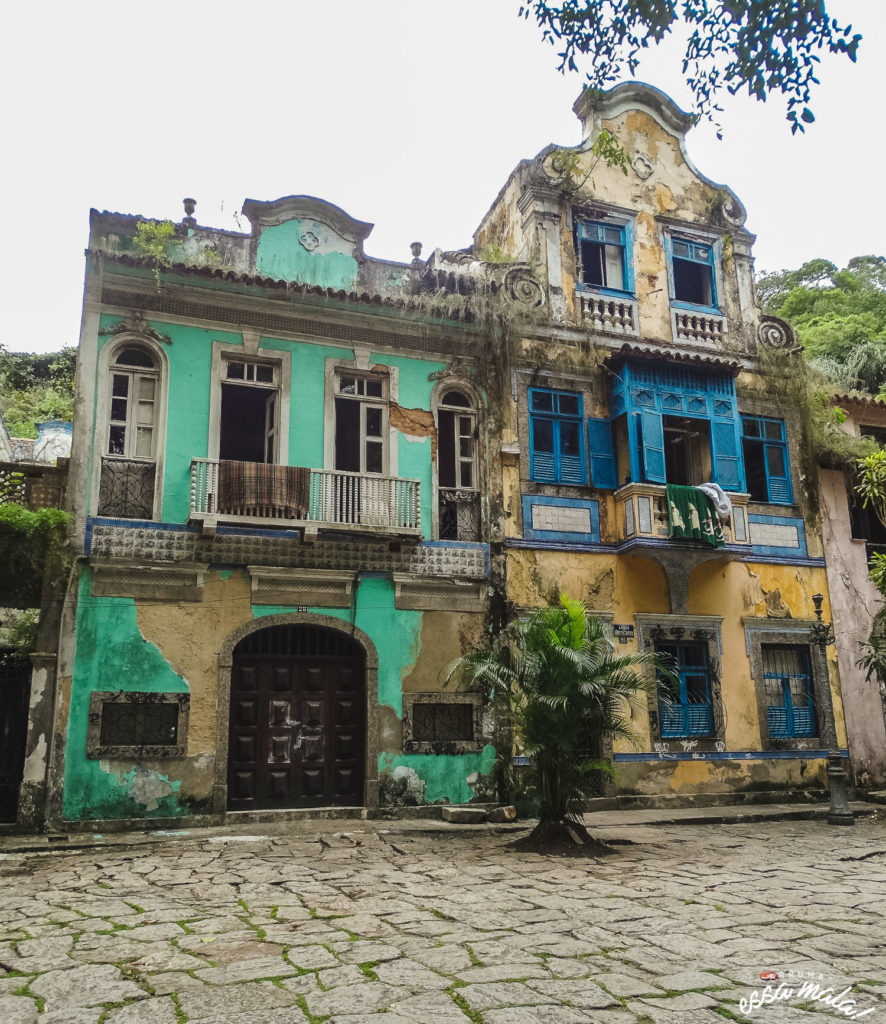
[(36, 386)]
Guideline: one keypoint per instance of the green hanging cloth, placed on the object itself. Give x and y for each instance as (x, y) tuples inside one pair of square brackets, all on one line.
[(693, 516)]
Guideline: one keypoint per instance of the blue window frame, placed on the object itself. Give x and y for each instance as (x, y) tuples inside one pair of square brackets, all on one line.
[(691, 270), (788, 687), (684, 707), (765, 450), (604, 256), (556, 437)]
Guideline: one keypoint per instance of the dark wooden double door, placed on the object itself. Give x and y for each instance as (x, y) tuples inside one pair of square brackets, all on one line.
[(297, 720)]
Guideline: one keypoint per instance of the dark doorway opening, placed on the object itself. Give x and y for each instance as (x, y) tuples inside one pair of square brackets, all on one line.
[(246, 434), (15, 689)]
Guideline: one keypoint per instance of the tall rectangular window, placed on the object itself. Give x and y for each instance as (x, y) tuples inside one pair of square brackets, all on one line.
[(787, 681), (603, 256), (248, 427), (361, 423), (692, 270), (765, 450), (685, 708), (556, 448)]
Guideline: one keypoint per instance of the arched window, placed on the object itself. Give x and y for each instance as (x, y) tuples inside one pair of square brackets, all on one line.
[(458, 505), (132, 423), (130, 445)]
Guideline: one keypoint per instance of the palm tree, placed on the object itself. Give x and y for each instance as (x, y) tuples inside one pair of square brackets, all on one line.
[(557, 678)]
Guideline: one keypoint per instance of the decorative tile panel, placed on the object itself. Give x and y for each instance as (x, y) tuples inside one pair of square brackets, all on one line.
[(739, 524), (561, 519), (558, 517), (644, 513), (239, 546), (778, 535)]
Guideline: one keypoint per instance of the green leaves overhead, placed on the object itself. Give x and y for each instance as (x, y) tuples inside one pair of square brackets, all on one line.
[(736, 45)]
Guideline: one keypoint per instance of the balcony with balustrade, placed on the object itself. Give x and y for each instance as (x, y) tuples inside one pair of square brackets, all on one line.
[(294, 497)]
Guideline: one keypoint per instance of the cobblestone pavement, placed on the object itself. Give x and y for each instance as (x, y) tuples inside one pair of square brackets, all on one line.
[(353, 922)]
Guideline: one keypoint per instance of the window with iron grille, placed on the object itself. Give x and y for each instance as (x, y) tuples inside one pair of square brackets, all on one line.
[(685, 708), (433, 722), (127, 724), (787, 682), (442, 722)]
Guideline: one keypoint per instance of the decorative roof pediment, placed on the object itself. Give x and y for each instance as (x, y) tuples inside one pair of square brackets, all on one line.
[(263, 215)]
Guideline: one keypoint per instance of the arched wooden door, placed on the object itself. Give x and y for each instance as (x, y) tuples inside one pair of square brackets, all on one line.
[(298, 720)]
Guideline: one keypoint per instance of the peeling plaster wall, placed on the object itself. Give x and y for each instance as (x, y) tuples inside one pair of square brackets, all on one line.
[(625, 585), (112, 654), (438, 778), (306, 251), (158, 646), (691, 778), (854, 603)]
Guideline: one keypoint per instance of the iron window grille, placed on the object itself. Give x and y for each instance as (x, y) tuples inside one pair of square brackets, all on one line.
[(128, 724), (685, 705), (787, 683)]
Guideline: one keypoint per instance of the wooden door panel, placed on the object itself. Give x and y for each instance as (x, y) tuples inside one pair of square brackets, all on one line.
[(248, 678), (297, 727)]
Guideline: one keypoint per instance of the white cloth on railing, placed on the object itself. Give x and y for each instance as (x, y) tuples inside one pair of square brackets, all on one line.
[(722, 501)]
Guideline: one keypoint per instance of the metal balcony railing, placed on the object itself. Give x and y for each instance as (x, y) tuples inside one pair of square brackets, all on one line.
[(240, 492)]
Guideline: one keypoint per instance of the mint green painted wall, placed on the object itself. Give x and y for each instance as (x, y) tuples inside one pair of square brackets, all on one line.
[(414, 456), (445, 775), (308, 398), (396, 634), (111, 654), (281, 255)]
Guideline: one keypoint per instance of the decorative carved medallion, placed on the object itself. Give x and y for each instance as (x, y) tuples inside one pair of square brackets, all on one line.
[(309, 240), (136, 324), (523, 287), (772, 332), (643, 166)]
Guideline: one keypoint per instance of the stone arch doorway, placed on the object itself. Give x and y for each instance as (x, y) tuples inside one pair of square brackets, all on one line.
[(299, 723)]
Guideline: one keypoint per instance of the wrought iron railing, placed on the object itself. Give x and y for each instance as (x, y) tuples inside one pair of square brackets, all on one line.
[(333, 498), (459, 514), (127, 489)]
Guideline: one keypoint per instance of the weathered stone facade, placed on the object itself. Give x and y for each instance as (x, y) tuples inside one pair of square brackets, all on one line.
[(293, 463)]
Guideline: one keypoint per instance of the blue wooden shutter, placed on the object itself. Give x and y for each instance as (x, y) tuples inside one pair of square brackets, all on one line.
[(726, 455), (603, 468), (572, 465), (653, 447), (780, 490)]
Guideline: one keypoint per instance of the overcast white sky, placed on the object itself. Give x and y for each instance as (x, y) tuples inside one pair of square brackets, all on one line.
[(408, 114)]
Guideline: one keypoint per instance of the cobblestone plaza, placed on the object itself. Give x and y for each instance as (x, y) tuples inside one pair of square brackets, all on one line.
[(414, 923)]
